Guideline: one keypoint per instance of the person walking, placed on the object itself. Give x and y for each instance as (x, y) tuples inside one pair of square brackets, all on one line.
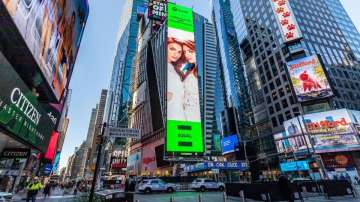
[(33, 188), (47, 190)]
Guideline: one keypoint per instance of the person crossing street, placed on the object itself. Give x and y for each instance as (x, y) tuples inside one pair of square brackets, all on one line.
[(32, 189)]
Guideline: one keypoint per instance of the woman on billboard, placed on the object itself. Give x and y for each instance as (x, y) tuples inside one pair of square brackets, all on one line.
[(182, 93)]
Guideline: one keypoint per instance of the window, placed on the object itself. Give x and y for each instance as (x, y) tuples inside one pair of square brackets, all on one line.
[(271, 110), (274, 122), (278, 82), (288, 115), (284, 103), (281, 92), (284, 78), (272, 87), (277, 106), (281, 119)]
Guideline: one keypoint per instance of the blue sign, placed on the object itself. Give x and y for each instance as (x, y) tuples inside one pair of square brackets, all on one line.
[(229, 144), (294, 166), (47, 168), (221, 165)]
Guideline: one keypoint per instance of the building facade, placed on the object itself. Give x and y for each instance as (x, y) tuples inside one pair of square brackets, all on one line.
[(119, 89), (326, 30)]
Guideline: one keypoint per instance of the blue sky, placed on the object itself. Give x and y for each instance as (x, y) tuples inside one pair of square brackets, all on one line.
[(94, 63)]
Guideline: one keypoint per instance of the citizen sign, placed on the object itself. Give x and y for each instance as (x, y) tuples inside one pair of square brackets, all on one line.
[(19, 99)]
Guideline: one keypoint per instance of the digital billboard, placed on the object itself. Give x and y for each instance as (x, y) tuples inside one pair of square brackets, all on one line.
[(285, 17), (52, 31), (229, 144), (183, 126), (20, 112), (308, 79), (157, 9), (294, 166), (331, 131)]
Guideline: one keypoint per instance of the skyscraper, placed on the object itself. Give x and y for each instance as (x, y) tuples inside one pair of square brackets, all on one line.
[(326, 30), (236, 91), (117, 107)]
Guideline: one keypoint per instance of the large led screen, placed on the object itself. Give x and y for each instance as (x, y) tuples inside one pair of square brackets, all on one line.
[(308, 79), (184, 130), (52, 31), (331, 131), (229, 144)]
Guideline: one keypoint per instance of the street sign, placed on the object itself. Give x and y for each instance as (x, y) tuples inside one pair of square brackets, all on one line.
[(122, 132)]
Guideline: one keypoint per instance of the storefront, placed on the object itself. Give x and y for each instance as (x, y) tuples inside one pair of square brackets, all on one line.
[(25, 124)]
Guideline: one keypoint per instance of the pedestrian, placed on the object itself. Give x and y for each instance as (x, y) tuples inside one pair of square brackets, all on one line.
[(342, 177), (356, 180), (335, 177), (348, 178), (284, 186), (32, 189), (47, 190)]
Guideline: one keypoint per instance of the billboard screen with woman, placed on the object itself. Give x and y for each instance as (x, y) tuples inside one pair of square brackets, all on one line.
[(184, 130)]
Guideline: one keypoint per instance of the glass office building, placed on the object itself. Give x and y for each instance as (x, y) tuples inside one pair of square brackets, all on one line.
[(117, 106)]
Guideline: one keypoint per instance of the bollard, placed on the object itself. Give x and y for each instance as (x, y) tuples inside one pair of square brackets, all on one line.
[(172, 199), (200, 197), (268, 197), (242, 195), (224, 197)]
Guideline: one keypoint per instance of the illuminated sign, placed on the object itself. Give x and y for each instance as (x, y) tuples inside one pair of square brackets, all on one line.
[(183, 127), (286, 20), (52, 31), (294, 166), (157, 9), (308, 79), (229, 144), (20, 112)]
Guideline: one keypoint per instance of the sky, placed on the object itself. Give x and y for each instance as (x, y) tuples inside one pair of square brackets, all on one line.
[(93, 66)]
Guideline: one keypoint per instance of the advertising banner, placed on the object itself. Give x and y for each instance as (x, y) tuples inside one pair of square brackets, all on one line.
[(157, 9), (330, 131), (221, 165), (338, 160), (52, 31), (20, 112), (229, 144), (294, 166), (286, 20), (133, 163), (308, 79), (329, 122), (183, 127), (15, 153)]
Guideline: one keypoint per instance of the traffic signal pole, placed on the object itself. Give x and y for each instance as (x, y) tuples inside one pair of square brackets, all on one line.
[(99, 148)]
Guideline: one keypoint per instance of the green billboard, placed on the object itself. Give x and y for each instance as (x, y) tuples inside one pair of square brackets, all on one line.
[(20, 112), (183, 126)]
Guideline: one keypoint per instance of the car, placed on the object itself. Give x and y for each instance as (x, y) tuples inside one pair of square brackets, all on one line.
[(5, 196), (158, 185), (203, 184)]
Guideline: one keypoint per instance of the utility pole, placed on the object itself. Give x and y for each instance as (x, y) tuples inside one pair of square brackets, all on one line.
[(99, 148)]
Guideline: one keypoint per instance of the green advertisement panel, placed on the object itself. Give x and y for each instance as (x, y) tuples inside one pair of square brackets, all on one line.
[(183, 127), (20, 112)]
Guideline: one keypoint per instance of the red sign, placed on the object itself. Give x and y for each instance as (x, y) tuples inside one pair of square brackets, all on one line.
[(284, 14)]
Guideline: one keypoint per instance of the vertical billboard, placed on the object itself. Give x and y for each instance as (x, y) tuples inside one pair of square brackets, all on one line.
[(157, 9), (285, 17), (52, 31), (308, 79), (183, 126), (20, 112)]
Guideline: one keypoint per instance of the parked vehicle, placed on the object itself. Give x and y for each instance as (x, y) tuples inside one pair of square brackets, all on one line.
[(156, 185), (203, 184), (5, 196)]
